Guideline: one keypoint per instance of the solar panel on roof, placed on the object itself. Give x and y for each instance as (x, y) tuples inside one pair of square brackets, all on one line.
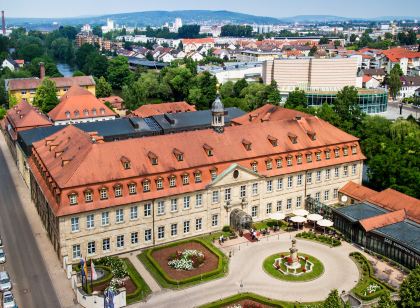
[(152, 124)]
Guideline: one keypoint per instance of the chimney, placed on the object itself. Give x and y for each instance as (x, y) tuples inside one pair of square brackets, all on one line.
[(3, 23), (41, 70)]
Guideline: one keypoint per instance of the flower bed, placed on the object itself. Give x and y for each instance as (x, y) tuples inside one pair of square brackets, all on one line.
[(156, 259), (186, 260), (277, 272), (325, 239), (368, 287)]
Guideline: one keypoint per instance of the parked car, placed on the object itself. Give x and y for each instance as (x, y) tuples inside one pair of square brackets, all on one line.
[(2, 256), (1, 242), (9, 300), (5, 283)]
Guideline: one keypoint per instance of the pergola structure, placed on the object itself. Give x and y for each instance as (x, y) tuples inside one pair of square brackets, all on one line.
[(240, 220)]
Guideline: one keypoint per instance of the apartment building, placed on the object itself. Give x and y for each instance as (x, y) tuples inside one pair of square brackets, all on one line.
[(99, 198)]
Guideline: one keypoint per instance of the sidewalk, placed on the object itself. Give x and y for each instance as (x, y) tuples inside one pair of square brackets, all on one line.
[(144, 273), (57, 274)]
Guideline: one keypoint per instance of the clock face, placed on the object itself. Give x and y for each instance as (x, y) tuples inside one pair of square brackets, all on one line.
[(344, 198)]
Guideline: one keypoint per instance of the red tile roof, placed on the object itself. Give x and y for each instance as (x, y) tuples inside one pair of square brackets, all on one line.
[(24, 116), (116, 101), (395, 54), (366, 78), (155, 109), (393, 200), (81, 104), (383, 220), (75, 163), (269, 112), (357, 192), (60, 82), (206, 40)]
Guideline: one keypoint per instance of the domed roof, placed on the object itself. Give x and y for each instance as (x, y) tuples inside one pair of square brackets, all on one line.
[(217, 105)]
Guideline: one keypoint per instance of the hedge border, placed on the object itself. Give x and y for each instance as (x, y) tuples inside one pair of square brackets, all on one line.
[(220, 271), (370, 276), (260, 299), (300, 236), (139, 282)]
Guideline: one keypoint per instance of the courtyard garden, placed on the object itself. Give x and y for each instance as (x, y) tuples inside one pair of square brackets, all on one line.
[(324, 239), (185, 263), (115, 273), (368, 287)]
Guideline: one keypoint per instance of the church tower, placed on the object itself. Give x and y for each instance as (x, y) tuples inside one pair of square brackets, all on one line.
[(218, 115)]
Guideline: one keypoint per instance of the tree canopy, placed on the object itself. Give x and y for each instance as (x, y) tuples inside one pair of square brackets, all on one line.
[(46, 95), (103, 88), (410, 289), (296, 98)]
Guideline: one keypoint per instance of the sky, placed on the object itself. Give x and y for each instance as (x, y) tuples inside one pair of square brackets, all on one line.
[(273, 8)]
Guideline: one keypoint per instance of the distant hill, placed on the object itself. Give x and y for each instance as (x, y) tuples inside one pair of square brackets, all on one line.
[(157, 18)]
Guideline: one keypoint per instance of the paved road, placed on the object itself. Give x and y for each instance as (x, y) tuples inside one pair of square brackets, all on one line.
[(31, 283), (246, 269)]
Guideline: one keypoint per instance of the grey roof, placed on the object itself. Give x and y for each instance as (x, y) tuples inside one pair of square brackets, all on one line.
[(374, 72), (360, 211), (182, 121), (406, 232), (146, 63), (217, 105)]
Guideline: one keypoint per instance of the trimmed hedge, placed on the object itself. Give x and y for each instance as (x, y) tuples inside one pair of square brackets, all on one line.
[(259, 299), (319, 238), (165, 281), (141, 285), (367, 273)]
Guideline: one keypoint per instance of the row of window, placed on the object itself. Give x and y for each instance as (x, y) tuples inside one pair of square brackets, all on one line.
[(85, 113), (134, 236)]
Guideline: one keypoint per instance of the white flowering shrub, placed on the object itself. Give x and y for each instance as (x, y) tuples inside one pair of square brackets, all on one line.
[(186, 260)]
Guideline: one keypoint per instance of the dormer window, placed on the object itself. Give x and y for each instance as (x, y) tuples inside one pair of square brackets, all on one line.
[(73, 199), (318, 156), (299, 159), (336, 153), (185, 179), (86, 112), (117, 191), (146, 185), (354, 150), (309, 158), (279, 163), (213, 173), (254, 166), (273, 140), (88, 196), (159, 183), (292, 137), (76, 113), (172, 181), (132, 188), (197, 176), (247, 144), (103, 193), (94, 111), (153, 158), (289, 161), (345, 151), (67, 114), (208, 149), (125, 162), (102, 110), (327, 154), (269, 164), (312, 135), (179, 155)]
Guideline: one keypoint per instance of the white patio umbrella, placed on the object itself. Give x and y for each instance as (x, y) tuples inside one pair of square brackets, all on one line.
[(300, 212), (314, 218), (298, 219), (277, 216), (325, 223)]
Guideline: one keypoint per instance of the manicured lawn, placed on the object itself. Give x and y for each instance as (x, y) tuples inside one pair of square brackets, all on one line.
[(269, 223), (259, 299), (367, 279), (317, 270), (165, 281)]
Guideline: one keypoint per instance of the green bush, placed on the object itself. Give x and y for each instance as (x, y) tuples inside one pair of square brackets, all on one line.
[(142, 289), (162, 277), (226, 229), (319, 238)]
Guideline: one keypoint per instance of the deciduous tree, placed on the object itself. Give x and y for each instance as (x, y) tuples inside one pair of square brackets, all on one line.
[(46, 95)]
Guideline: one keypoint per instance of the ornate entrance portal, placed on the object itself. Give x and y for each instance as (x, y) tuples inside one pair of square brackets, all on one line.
[(240, 220)]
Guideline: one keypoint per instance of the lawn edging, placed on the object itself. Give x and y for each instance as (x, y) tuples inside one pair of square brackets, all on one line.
[(366, 277), (142, 288), (167, 282), (257, 298), (322, 239)]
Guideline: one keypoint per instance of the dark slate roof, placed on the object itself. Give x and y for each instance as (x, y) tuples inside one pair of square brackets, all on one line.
[(406, 232), (146, 63), (181, 121), (360, 211)]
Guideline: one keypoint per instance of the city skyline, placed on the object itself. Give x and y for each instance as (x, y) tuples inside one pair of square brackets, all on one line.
[(271, 8)]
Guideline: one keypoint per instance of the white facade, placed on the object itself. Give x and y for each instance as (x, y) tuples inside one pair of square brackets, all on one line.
[(84, 120), (8, 64)]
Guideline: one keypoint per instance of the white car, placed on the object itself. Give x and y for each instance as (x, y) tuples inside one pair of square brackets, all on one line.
[(8, 300), (5, 284), (1, 242), (2, 256)]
